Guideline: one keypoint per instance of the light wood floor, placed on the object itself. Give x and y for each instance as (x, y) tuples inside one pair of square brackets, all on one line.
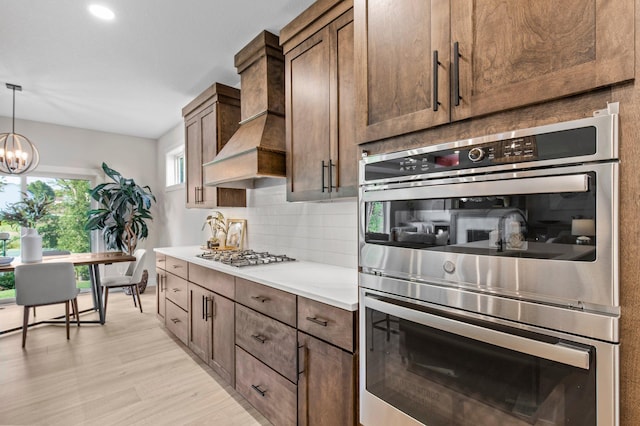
[(129, 371)]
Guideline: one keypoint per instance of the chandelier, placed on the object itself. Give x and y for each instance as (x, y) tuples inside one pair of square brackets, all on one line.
[(17, 154)]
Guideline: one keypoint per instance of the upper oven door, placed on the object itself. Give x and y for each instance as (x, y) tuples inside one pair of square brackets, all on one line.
[(548, 234)]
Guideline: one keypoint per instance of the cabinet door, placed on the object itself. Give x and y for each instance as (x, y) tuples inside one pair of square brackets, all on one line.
[(518, 52), (222, 344), (193, 154), (307, 85), (199, 321), (326, 383), (161, 284), (397, 90), (344, 149), (209, 140)]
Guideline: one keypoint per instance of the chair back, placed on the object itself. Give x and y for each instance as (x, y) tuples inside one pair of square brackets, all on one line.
[(136, 268), (43, 283)]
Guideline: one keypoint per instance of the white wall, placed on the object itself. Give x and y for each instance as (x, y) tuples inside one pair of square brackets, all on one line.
[(321, 232), (72, 150)]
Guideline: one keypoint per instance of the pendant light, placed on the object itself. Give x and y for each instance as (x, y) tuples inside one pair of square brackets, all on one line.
[(17, 154)]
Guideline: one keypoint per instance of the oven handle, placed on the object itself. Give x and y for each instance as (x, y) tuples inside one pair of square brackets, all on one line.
[(539, 185), (559, 352)]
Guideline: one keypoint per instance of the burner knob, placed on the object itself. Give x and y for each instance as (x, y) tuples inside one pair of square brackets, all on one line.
[(476, 154)]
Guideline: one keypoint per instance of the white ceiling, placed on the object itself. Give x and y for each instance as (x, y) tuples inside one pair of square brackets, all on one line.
[(131, 75)]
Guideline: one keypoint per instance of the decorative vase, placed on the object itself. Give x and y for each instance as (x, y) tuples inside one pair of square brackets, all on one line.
[(30, 246)]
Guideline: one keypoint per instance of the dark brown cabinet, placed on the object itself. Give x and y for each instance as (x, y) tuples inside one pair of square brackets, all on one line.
[(424, 63), (320, 104), (326, 383), (210, 121)]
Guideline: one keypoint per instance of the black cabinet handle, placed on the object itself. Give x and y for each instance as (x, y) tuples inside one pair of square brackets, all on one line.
[(259, 337), (203, 307), (456, 74), (213, 308), (260, 299), (436, 63), (257, 389), (331, 166), (324, 166), (318, 321), (175, 320)]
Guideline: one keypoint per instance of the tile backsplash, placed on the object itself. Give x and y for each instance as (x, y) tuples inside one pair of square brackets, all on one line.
[(324, 232)]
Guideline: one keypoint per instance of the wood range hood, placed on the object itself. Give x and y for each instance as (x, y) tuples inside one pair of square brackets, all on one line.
[(257, 149)]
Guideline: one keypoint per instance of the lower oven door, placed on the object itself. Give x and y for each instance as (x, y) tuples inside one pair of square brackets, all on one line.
[(426, 365)]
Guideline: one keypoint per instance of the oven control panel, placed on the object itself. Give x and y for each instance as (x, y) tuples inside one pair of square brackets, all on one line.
[(563, 144)]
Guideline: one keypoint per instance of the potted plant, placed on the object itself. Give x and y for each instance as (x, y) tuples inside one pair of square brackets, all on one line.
[(26, 213), (216, 224), (123, 213)]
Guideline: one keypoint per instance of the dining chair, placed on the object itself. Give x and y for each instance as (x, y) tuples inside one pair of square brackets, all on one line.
[(131, 278), (54, 253), (41, 284)]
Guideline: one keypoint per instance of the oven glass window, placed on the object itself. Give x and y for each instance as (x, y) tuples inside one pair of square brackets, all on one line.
[(558, 226), (441, 378)]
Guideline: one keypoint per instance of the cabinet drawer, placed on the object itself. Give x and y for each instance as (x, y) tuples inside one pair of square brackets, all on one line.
[(176, 291), (176, 321), (268, 340), (176, 266), (271, 394), (326, 322), (161, 260), (275, 303), (213, 280)]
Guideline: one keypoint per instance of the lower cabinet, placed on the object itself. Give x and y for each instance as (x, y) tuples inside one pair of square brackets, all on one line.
[(326, 383), (211, 336), (269, 392), (293, 358)]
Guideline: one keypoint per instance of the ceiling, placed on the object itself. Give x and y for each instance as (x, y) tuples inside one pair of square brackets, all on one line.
[(131, 75)]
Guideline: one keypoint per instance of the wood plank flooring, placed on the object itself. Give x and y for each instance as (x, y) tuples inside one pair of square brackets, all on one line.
[(129, 371)]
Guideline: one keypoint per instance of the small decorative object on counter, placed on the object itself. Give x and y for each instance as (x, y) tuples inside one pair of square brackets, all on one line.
[(235, 233), (217, 225)]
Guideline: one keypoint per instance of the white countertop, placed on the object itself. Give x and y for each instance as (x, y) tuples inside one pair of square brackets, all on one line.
[(333, 285)]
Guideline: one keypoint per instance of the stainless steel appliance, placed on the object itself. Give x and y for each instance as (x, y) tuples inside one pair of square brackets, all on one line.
[(240, 258), (489, 279)]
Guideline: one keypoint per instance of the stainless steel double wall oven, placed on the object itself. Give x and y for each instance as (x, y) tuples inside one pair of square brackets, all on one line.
[(489, 279)]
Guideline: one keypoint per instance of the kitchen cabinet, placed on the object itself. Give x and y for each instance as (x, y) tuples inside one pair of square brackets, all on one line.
[(210, 121), (327, 364), (424, 63), (161, 283), (211, 320), (211, 324), (320, 103), (326, 383), (176, 298)]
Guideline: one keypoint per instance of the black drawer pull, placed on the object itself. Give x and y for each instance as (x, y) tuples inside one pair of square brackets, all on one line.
[(175, 290), (259, 337), (257, 389), (260, 299), (177, 266), (318, 321), (175, 320)]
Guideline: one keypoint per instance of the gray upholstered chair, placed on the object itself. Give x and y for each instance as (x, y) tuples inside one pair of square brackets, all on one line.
[(130, 279), (41, 284)]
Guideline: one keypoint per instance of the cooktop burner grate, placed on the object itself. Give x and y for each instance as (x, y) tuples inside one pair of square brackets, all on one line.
[(240, 258)]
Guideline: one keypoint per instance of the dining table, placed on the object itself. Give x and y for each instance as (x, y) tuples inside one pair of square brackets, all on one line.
[(93, 261)]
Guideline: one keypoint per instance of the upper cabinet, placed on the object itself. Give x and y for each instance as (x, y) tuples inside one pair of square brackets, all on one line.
[(210, 121), (423, 63), (320, 103)]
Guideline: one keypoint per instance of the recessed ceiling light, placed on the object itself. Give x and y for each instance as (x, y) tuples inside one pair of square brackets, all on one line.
[(101, 12)]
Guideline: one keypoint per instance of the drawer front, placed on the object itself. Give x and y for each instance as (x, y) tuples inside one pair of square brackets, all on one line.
[(268, 340), (327, 322), (161, 260), (213, 280), (176, 321), (271, 394), (275, 303), (176, 266), (176, 291)]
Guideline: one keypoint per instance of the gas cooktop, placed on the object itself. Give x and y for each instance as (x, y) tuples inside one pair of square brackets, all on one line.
[(240, 258)]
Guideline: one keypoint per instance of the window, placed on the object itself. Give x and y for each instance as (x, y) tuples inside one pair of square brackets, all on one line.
[(62, 230), (175, 167)]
